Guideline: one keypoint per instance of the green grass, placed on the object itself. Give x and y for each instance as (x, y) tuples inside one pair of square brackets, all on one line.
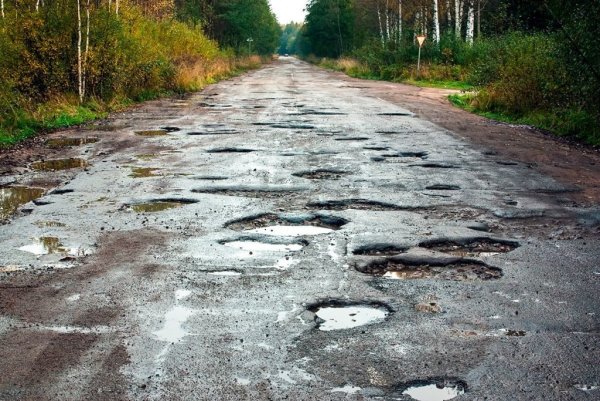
[(457, 85)]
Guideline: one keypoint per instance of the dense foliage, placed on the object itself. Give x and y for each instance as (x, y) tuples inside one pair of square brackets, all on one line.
[(536, 61), (65, 62)]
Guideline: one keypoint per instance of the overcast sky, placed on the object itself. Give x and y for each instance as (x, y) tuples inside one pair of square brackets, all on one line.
[(288, 10)]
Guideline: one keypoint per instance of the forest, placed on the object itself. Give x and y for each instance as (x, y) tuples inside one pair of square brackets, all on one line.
[(66, 62), (534, 62)]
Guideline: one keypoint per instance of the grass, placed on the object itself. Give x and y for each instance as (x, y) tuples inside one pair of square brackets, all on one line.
[(440, 84)]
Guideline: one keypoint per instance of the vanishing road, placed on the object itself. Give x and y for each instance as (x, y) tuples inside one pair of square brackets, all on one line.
[(291, 234)]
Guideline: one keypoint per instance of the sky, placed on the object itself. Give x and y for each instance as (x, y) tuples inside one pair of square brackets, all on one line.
[(288, 10)]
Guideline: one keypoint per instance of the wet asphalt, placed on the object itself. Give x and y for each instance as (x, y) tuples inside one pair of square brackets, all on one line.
[(288, 235)]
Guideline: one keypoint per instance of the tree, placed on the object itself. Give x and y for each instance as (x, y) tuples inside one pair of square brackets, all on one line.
[(436, 23)]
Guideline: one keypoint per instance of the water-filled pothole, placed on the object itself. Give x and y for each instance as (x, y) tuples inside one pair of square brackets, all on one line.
[(376, 148), (250, 192), (292, 126), (144, 172), (434, 389), (158, 205), (59, 164), (356, 204), (288, 225), (170, 129), (434, 165), (353, 138), (321, 174), (416, 153), (69, 142), (442, 187), (156, 132), (456, 270), (214, 132), (341, 315), (13, 197), (379, 250), (471, 247), (265, 245), (404, 114), (230, 150), (45, 246)]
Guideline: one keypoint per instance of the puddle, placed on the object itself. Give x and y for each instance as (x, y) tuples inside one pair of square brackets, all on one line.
[(376, 148), (158, 205), (225, 273), (69, 142), (356, 204), (13, 197), (441, 390), (404, 114), (442, 187), (379, 250), (59, 164), (258, 246), (173, 330), (321, 174), (462, 270), (292, 126), (211, 178), (418, 153), (335, 315), (230, 150), (478, 247), (433, 165), (353, 138), (215, 132), (586, 387), (45, 246), (170, 129), (288, 225), (143, 172), (156, 132)]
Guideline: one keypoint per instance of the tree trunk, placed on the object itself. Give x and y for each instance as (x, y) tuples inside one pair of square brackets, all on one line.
[(470, 22), (436, 23), (458, 10), (117, 7), (380, 25), (448, 15), (387, 20), (399, 21), (87, 46), (2, 7), (79, 64), (478, 18)]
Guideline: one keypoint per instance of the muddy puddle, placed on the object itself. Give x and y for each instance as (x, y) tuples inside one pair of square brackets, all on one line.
[(479, 247), (59, 164), (288, 225), (151, 133), (45, 246), (159, 205), (69, 142), (335, 315), (321, 174), (11, 198), (459, 270), (356, 204), (435, 390), (144, 172)]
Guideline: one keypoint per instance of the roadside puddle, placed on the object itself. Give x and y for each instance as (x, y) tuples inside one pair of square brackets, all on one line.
[(478, 247), (159, 205), (337, 316), (144, 172), (59, 164), (435, 391), (13, 197), (45, 246), (57, 143)]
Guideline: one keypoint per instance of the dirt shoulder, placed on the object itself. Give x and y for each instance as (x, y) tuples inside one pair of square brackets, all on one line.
[(570, 164)]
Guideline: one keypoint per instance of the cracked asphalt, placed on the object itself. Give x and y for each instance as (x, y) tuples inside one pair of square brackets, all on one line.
[(289, 235)]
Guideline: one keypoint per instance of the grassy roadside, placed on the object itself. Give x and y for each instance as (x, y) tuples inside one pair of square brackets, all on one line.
[(66, 111)]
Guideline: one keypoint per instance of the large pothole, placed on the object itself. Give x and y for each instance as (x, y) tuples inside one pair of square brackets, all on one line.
[(471, 247), (59, 164), (250, 192), (436, 389), (230, 150), (321, 174), (379, 250), (265, 244), (159, 205), (455, 269), (69, 142), (13, 197), (341, 315), (356, 204), (288, 225)]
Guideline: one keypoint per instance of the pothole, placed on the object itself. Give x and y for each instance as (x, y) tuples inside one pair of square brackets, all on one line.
[(416, 153), (144, 172), (380, 148), (353, 138), (213, 132), (434, 389), (356, 204), (170, 129), (69, 142), (211, 178), (321, 174), (13, 197), (252, 245), (230, 150), (288, 225), (473, 247), (341, 315), (59, 164), (293, 126), (379, 250), (249, 192), (156, 132), (45, 246), (392, 114), (443, 187), (434, 165), (455, 270), (158, 205)]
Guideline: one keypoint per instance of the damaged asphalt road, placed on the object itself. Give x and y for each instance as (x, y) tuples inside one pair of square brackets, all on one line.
[(287, 235)]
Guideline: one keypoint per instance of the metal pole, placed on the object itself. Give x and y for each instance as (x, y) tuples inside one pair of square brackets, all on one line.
[(419, 62)]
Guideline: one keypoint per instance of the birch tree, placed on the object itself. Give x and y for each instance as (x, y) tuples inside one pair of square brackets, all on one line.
[(436, 23), (381, 34), (470, 22), (399, 21), (79, 61), (458, 11), (2, 7)]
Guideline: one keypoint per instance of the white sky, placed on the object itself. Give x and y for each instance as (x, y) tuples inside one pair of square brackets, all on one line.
[(288, 10)]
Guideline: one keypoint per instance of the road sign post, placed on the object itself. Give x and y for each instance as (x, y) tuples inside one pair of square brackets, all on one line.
[(420, 40)]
